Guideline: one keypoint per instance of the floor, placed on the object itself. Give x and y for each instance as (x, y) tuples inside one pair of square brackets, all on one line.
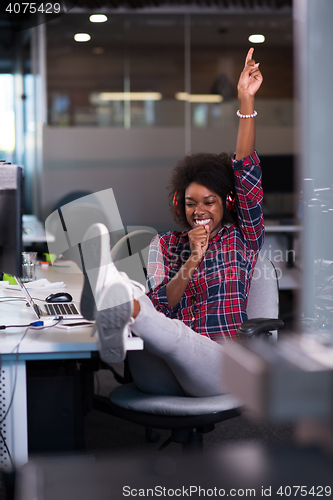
[(241, 455)]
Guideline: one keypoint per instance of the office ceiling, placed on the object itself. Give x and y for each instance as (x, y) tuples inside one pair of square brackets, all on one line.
[(224, 4), (228, 32), (274, 13)]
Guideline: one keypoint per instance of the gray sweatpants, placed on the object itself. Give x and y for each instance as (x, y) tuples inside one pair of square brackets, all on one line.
[(176, 360)]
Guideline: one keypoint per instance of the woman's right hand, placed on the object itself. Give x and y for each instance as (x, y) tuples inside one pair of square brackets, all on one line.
[(199, 238), (175, 288)]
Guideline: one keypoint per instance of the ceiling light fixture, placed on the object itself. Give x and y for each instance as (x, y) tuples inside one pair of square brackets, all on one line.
[(204, 98), (98, 18), (82, 37), (130, 96), (256, 38)]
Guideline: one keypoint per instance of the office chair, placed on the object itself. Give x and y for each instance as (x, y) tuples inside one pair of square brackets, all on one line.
[(188, 417)]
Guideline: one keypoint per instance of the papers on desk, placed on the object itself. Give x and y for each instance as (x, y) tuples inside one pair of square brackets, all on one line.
[(42, 284)]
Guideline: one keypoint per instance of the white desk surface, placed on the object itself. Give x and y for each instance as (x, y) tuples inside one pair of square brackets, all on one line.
[(68, 342)]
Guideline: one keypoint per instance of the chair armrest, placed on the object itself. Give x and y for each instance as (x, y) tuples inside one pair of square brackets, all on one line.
[(256, 326)]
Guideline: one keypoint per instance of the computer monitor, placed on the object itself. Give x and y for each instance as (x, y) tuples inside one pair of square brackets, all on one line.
[(278, 185), (277, 173), (11, 211)]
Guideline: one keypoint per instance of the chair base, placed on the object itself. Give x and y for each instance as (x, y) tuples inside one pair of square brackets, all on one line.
[(191, 439)]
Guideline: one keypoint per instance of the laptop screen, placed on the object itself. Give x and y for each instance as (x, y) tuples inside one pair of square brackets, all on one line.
[(30, 301)]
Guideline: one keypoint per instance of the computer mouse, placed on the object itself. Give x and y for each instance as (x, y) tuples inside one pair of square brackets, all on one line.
[(59, 297)]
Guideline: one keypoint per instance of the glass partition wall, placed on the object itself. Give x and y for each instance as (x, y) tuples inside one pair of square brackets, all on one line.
[(141, 70), (175, 72), (126, 76), (147, 88)]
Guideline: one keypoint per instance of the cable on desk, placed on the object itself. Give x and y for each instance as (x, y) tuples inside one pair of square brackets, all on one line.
[(4, 327), (37, 323), (20, 299), (12, 299)]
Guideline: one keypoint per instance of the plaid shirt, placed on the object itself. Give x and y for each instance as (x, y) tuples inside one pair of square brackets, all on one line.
[(214, 302)]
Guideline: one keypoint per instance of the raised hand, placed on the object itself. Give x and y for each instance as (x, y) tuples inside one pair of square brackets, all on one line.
[(249, 83), (251, 78)]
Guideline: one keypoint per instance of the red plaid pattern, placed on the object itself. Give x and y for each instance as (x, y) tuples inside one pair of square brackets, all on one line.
[(214, 302)]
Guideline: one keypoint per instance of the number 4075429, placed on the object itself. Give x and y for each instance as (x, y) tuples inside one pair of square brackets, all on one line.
[(33, 8)]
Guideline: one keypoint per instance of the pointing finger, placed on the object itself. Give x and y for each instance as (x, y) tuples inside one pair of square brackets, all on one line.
[(249, 55)]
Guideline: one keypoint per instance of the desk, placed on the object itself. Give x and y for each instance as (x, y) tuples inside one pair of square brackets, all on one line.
[(53, 343)]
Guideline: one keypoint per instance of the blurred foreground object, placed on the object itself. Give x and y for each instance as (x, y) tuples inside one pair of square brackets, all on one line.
[(288, 381)]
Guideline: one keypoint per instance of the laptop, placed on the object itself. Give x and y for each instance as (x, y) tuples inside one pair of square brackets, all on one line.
[(55, 311)]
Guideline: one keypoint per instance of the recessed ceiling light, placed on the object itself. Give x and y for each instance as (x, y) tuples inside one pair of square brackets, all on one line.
[(184, 96), (130, 96), (82, 37), (256, 38), (98, 18)]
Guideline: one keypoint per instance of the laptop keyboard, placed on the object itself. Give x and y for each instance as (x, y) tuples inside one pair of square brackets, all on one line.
[(61, 309)]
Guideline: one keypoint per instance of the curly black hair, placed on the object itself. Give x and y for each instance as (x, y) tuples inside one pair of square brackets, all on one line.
[(213, 171)]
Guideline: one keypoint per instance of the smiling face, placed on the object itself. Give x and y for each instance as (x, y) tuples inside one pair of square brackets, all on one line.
[(203, 207)]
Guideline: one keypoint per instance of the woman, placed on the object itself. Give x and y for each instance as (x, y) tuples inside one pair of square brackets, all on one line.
[(198, 280)]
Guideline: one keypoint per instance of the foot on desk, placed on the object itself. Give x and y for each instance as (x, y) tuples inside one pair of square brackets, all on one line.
[(113, 320), (98, 268)]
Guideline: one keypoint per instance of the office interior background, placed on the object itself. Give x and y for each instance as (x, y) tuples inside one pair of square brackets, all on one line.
[(66, 124), (73, 131)]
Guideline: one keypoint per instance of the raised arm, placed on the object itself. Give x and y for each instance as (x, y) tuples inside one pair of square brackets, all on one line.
[(249, 83)]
